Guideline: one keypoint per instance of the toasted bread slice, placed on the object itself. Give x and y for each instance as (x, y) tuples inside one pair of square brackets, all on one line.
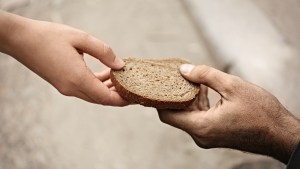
[(154, 83)]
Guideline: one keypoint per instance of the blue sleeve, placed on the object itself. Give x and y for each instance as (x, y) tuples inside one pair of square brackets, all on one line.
[(294, 162)]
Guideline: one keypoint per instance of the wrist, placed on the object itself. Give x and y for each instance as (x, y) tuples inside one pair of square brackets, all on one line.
[(285, 137), (11, 30)]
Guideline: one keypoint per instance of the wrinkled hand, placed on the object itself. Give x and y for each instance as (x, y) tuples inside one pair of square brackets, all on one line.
[(246, 118), (55, 52)]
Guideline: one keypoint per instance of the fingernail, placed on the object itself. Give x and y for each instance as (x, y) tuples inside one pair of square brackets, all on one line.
[(186, 68), (119, 62)]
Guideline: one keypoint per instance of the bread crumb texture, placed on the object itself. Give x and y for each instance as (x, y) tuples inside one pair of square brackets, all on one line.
[(156, 80)]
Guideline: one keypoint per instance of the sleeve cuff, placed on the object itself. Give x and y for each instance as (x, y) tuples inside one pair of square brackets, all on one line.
[(294, 162)]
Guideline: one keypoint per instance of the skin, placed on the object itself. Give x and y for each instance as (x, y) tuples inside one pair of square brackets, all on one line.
[(55, 53), (246, 118)]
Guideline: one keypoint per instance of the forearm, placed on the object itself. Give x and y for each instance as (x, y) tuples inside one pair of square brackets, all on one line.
[(10, 30)]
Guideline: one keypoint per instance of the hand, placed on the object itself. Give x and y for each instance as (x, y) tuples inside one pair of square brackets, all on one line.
[(246, 118), (55, 53)]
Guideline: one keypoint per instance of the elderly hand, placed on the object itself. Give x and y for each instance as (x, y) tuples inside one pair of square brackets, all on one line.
[(246, 118), (55, 52)]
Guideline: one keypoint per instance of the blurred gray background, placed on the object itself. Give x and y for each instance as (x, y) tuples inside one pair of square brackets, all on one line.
[(258, 40)]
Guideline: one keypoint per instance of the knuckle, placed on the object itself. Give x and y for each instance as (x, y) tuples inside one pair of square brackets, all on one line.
[(235, 80), (107, 50), (102, 100), (202, 70), (202, 143), (64, 90), (167, 118), (84, 36), (205, 145), (162, 117), (232, 84)]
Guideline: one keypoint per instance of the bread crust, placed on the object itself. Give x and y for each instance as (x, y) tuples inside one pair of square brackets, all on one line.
[(135, 98)]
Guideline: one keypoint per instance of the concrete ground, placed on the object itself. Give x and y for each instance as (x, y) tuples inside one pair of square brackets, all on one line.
[(41, 129)]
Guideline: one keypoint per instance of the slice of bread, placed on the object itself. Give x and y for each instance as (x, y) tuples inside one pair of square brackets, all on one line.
[(154, 83)]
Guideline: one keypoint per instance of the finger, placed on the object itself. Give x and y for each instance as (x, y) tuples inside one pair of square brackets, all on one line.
[(217, 80), (200, 141), (82, 96), (104, 75), (108, 83), (127, 102), (185, 120), (113, 88), (195, 105), (203, 101), (95, 89), (98, 49)]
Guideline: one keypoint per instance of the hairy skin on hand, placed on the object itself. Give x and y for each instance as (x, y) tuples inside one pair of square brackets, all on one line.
[(247, 117)]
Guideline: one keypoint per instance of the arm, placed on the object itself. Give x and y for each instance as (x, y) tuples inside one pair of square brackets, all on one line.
[(55, 53), (246, 118)]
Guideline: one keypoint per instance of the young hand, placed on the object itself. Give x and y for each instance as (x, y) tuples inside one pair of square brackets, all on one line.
[(55, 53)]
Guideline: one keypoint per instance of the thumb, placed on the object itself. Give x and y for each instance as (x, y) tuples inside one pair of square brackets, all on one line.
[(100, 50), (211, 77)]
